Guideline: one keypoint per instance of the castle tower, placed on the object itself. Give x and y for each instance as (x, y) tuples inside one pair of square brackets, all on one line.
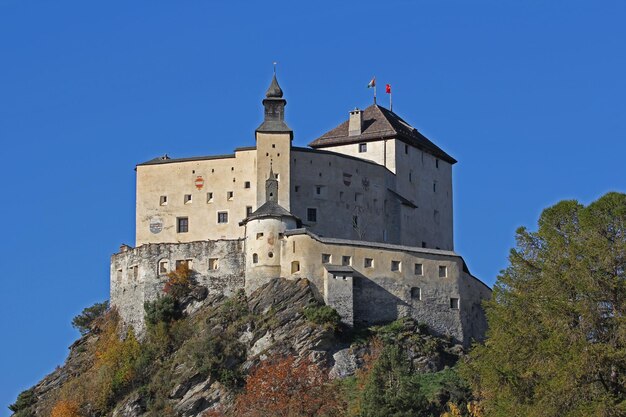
[(273, 144), (264, 236)]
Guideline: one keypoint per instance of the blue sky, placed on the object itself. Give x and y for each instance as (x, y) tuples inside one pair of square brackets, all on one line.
[(528, 96)]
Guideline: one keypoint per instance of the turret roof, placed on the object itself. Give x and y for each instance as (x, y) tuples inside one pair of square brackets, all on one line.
[(270, 209)]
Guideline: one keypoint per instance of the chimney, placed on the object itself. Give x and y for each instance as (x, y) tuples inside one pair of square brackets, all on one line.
[(356, 122)]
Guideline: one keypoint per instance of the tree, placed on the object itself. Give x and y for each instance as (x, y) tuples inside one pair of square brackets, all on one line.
[(84, 321), (556, 343), (65, 408), (284, 388)]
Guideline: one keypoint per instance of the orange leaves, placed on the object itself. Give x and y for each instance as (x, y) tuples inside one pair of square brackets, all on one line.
[(65, 408), (286, 388)]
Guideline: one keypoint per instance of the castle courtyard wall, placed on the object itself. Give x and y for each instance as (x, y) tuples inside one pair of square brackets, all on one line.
[(137, 274)]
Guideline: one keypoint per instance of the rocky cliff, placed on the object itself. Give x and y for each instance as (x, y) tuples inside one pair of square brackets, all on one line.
[(200, 350)]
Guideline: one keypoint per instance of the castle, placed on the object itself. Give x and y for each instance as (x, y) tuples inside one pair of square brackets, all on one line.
[(364, 213)]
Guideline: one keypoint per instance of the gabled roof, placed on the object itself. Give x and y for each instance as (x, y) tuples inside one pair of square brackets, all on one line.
[(380, 123)]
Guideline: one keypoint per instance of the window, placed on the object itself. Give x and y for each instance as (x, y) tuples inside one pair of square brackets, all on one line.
[(295, 267), (187, 199), (259, 236), (346, 260), (182, 224), (362, 147), (119, 274), (406, 149), (163, 200), (454, 303), (246, 184), (318, 190), (325, 258), (164, 267), (222, 217), (209, 197), (296, 188), (135, 271), (340, 195), (419, 269), (212, 264), (277, 177), (184, 263), (410, 176), (270, 254), (434, 187), (416, 293), (395, 266), (230, 195), (311, 214), (248, 211), (443, 271), (368, 263), (423, 244), (255, 258), (437, 163), (282, 235)]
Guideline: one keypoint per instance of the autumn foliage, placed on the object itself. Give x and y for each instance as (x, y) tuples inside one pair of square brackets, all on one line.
[(288, 388), (65, 408)]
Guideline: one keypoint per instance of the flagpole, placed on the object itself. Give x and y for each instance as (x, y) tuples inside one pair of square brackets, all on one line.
[(374, 91), (390, 102)]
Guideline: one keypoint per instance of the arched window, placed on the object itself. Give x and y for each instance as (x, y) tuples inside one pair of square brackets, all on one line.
[(255, 258)]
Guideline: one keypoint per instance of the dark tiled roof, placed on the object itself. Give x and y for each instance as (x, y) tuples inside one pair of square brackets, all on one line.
[(270, 209), (380, 123), (167, 160)]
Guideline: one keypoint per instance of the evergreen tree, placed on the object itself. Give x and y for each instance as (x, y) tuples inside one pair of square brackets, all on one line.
[(556, 344)]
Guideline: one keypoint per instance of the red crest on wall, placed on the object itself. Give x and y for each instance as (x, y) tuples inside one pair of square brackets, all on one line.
[(199, 182)]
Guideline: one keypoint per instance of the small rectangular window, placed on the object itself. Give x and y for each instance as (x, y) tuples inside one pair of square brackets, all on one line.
[(340, 195), (437, 163), (434, 187), (187, 199), (230, 195), (443, 271), (395, 266), (423, 244), (222, 217), (419, 269), (295, 267), (246, 184), (296, 188), (163, 267), (362, 147), (346, 260), (416, 293), (212, 264), (182, 224), (454, 303), (209, 197), (119, 274), (135, 271), (368, 263), (318, 190), (259, 235), (311, 214), (163, 200), (248, 211), (406, 149), (325, 258)]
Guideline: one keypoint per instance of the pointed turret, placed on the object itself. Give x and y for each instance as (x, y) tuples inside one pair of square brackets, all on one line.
[(271, 187), (274, 103)]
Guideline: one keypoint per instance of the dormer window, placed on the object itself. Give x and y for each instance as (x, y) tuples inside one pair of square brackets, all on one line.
[(362, 147)]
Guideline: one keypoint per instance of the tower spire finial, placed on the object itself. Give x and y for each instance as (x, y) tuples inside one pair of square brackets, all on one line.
[(275, 67)]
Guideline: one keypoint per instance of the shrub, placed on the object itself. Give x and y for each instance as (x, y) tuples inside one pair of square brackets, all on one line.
[(65, 408), (323, 315), (84, 321), (23, 402), (179, 282), (163, 309)]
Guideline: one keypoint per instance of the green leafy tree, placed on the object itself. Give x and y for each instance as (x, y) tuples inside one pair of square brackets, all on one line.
[(556, 343), (84, 321), (392, 388)]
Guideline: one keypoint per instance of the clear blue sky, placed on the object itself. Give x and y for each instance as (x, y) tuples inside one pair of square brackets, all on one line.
[(529, 96)]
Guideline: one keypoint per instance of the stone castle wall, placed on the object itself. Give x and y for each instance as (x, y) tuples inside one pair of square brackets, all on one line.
[(139, 274)]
